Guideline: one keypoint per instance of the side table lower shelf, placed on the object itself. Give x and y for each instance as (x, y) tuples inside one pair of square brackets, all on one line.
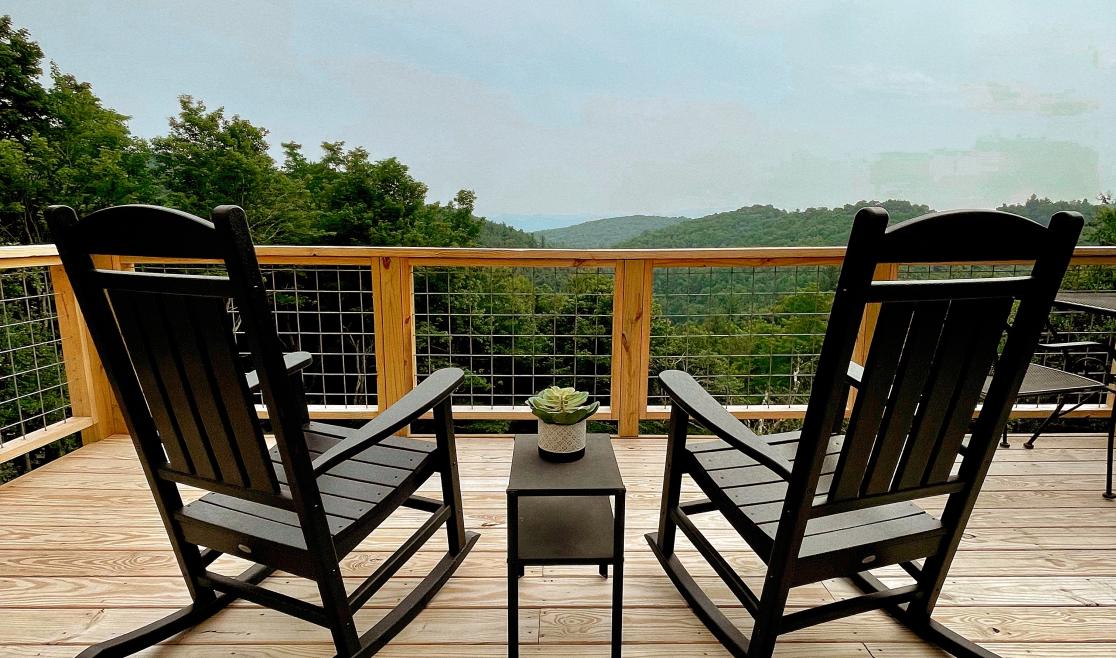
[(566, 514)]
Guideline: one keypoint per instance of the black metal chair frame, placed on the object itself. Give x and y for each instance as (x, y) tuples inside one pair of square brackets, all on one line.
[(168, 348), (815, 505), (1063, 384)]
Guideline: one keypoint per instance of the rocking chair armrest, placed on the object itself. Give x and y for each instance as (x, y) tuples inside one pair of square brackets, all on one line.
[(685, 392), (294, 361), (433, 391)]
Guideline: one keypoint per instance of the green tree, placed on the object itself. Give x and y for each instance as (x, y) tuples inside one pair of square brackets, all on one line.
[(23, 115), (365, 202), (96, 160), (23, 106), (209, 159), (58, 144), (1104, 222)]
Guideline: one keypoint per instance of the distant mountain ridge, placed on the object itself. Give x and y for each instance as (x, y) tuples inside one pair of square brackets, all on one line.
[(606, 232), (751, 226), (768, 226)]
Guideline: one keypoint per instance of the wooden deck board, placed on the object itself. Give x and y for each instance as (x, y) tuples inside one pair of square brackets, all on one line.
[(83, 557)]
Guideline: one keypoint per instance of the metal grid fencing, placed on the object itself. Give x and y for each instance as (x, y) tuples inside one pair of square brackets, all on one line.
[(326, 311), (1067, 325), (750, 335), (515, 330), (33, 392), (1077, 326)]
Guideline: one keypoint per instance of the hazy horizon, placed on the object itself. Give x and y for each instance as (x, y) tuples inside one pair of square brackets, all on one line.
[(563, 110)]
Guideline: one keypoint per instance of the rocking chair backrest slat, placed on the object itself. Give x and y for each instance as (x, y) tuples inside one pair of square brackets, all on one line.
[(927, 407), (182, 349), (169, 349), (910, 379), (933, 347)]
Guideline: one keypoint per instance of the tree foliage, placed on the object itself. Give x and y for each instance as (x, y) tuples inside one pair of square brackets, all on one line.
[(768, 226)]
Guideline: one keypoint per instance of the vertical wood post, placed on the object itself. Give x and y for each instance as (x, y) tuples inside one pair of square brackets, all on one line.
[(90, 393), (631, 343), (394, 305)]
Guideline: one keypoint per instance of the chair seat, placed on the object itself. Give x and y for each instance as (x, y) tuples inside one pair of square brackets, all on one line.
[(357, 494), (751, 496)]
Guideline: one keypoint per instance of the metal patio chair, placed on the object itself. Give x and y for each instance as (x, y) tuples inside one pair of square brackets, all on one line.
[(1070, 392), (816, 505), (168, 348)]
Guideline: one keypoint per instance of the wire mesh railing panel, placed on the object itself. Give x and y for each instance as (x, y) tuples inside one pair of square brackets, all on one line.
[(750, 335), (1065, 325), (1076, 326), (326, 311), (33, 391), (515, 330)]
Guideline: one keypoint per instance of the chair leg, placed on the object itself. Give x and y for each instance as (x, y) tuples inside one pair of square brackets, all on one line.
[(672, 480), (335, 602), (451, 483), (176, 622), (765, 631), (1042, 426), (1111, 444)]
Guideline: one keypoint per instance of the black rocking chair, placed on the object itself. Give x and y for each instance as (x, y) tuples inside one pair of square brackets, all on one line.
[(168, 347), (816, 505)]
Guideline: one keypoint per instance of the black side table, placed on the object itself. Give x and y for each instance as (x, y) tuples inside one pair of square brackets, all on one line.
[(560, 514)]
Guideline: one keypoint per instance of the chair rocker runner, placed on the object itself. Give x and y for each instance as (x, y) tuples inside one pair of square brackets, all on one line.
[(816, 505), (168, 348)]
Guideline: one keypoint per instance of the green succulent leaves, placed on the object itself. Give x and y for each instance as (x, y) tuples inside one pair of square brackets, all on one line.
[(561, 406)]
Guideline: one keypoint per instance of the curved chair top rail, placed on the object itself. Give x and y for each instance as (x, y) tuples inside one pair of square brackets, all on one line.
[(142, 231), (970, 235)]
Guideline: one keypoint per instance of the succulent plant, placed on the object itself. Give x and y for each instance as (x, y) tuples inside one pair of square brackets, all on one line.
[(561, 406)]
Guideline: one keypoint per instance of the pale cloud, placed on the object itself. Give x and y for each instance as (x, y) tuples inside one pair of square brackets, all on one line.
[(890, 79), (993, 171), (1001, 97), (1103, 55), (627, 106)]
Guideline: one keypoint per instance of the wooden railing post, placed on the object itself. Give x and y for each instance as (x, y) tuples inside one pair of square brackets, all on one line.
[(394, 304), (90, 393), (631, 343)]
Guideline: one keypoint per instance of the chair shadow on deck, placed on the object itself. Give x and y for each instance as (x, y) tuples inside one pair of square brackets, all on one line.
[(818, 504), (167, 344)]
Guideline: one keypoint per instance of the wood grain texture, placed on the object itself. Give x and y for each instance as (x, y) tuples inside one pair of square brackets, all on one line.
[(631, 339), (83, 557), (394, 330)]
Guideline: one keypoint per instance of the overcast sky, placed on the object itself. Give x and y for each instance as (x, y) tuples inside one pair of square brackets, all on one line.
[(605, 108)]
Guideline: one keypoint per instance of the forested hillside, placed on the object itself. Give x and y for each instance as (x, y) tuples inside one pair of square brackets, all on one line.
[(767, 226), (495, 234), (607, 232), (1041, 210)]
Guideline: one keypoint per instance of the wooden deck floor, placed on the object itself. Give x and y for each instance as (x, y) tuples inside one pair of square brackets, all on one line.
[(83, 557)]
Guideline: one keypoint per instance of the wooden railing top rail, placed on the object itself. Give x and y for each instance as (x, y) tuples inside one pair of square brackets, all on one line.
[(94, 411), (38, 255)]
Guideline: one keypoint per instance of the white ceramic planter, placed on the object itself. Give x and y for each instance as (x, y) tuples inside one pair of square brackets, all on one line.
[(562, 443)]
